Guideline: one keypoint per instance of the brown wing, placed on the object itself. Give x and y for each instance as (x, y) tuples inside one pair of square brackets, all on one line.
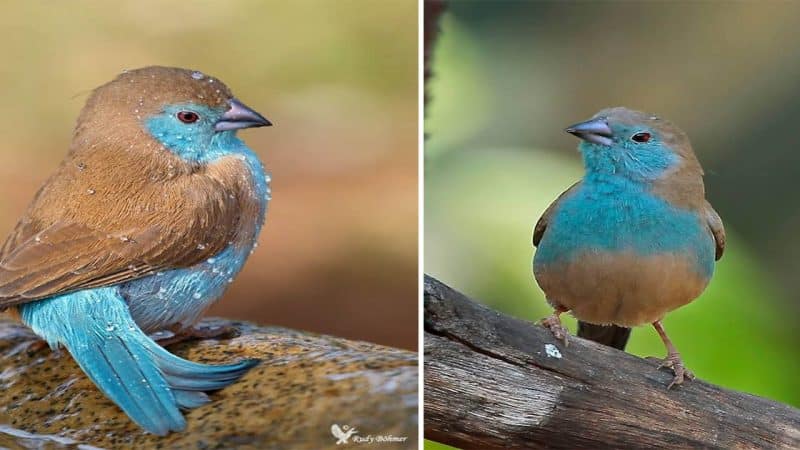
[(68, 256), (62, 245), (717, 229), (541, 224)]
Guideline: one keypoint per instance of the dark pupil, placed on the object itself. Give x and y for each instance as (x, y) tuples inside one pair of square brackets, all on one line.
[(187, 117), (641, 137)]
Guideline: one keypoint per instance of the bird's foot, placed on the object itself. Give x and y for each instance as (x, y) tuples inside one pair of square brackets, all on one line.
[(36, 347), (673, 361), (30, 348), (553, 323), (206, 332)]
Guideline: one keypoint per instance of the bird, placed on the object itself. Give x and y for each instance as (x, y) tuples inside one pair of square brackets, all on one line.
[(149, 217), (634, 239)]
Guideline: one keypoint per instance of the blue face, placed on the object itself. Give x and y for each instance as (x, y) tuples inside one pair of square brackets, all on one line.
[(636, 152), (188, 131)]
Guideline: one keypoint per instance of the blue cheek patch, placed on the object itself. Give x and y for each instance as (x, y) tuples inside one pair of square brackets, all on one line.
[(639, 162), (648, 161), (193, 141)]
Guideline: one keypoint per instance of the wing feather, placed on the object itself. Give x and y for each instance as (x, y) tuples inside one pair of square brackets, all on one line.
[(717, 229), (65, 250), (541, 224)]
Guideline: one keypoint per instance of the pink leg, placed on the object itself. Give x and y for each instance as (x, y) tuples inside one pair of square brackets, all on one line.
[(673, 359), (553, 323)]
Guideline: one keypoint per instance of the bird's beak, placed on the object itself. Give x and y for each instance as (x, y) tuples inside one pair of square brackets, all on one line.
[(595, 131), (239, 116)]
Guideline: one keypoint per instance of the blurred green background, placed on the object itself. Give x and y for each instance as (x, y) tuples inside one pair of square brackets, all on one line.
[(338, 253), (508, 77)]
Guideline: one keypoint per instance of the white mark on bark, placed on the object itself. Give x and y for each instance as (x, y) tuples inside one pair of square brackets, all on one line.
[(552, 351)]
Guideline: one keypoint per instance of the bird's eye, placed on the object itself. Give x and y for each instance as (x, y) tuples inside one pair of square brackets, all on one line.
[(188, 117), (641, 137)]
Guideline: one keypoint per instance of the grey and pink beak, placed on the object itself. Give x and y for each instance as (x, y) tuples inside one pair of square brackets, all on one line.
[(240, 116), (595, 131)]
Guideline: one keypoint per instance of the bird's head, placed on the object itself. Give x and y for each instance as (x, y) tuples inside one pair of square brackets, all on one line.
[(185, 111), (635, 145)]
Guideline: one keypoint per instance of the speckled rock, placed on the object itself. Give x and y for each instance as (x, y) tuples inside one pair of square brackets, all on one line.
[(305, 384)]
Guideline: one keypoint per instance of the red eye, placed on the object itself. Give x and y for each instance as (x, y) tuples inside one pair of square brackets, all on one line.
[(641, 137), (188, 117)]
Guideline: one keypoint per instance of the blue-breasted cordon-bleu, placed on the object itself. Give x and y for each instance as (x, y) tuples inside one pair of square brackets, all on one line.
[(147, 220), (634, 239)]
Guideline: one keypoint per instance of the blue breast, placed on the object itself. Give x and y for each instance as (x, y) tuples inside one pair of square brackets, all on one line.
[(615, 215), (180, 296)]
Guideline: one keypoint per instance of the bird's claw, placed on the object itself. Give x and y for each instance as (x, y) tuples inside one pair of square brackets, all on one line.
[(674, 362), (30, 348), (214, 332), (35, 347), (553, 323)]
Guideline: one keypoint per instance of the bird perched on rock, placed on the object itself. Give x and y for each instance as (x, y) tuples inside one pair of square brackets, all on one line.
[(634, 239), (154, 210)]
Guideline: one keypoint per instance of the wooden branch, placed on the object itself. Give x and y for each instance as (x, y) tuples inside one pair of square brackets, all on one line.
[(305, 383), (493, 381)]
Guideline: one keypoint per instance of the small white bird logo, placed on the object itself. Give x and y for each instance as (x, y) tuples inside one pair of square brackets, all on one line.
[(342, 434)]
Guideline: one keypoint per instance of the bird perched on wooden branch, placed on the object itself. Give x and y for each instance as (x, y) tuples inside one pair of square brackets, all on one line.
[(634, 239), (144, 224)]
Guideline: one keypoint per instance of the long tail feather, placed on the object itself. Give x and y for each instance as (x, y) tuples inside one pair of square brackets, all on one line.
[(181, 368), (190, 399), (190, 376), (126, 373), (150, 384)]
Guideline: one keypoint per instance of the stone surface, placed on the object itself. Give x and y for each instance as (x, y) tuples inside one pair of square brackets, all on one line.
[(305, 384)]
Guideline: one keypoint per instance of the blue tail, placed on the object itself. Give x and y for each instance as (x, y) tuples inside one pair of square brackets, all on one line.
[(147, 382)]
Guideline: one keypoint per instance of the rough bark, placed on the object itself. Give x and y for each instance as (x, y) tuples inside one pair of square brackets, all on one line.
[(305, 384), (493, 381)]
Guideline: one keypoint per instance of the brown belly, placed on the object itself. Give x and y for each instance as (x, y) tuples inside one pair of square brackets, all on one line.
[(621, 289)]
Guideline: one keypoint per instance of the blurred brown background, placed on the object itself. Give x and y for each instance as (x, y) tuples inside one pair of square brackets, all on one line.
[(338, 254)]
